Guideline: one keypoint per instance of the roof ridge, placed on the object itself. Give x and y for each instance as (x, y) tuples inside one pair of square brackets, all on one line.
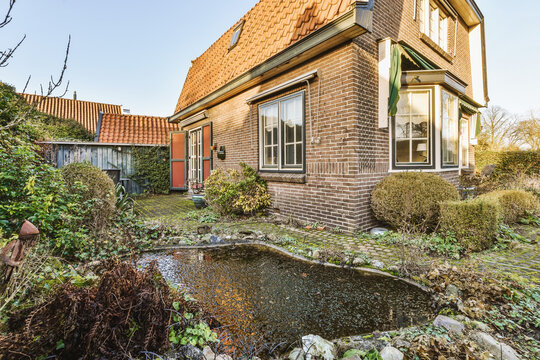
[(67, 99)]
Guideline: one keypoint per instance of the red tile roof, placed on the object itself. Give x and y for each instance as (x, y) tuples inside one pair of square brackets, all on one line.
[(84, 112), (269, 28), (135, 129)]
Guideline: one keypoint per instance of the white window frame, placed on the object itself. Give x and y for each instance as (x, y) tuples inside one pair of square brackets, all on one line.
[(195, 155), (446, 128), (430, 136), (464, 138), (280, 163), (434, 23)]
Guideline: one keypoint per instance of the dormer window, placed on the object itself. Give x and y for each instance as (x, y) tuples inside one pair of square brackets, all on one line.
[(434, 23), (236, 35)]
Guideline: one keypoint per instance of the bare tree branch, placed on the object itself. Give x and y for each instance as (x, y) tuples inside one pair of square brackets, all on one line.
[(8, 54), (26, 85), (8, 18)]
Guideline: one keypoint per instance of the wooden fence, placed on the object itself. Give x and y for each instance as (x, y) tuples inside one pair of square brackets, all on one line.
[(116, 159)]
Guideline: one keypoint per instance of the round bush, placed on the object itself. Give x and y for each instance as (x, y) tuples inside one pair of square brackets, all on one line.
[(411, 200), (97, 191), (514, 204)]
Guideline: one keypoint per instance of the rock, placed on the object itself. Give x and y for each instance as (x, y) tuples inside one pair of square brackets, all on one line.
[(216, 240), (453, 291), (462, 318), (377, 264), (499, 350), (480, 326), (205, 229), (224, 357), (359, 261), (297, 354), (205, 239), (401, 344), (208, 353), (391, 353), (315, 346), (393, 268), (189, 352), (360, 343), (316, 254), (449, 324), (378, 231)]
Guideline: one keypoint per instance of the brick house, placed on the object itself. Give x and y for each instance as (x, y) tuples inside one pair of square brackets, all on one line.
[(325, 98)]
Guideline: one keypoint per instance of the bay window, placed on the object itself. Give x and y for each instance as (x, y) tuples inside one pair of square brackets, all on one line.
[(412, 129), (281, 124), (450, 129)]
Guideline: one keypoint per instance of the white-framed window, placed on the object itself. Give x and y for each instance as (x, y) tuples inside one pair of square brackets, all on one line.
[(434, 22), (464, 141), (195, 156), (281, 124), (412, 129), (449, 129)]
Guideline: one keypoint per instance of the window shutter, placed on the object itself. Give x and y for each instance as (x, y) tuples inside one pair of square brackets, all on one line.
[(178, 158), (207, 151)]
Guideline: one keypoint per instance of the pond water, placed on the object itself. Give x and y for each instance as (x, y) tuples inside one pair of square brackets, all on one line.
[(258, 290)]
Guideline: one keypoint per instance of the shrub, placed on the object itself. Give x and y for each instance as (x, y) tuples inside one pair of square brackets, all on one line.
[(236, 192), (474, 222), (514, 204), (410, 200), (509, 162), (151, 168), (97, 193)]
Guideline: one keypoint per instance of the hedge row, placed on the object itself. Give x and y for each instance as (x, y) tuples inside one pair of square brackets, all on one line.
[(509, 161)]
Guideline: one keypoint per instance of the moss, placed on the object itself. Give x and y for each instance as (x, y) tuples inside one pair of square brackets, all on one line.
[(474, 222), (514, 204), (410, 200)]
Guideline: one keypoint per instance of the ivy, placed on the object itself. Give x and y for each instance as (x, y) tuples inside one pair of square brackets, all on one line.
[(151, 168)]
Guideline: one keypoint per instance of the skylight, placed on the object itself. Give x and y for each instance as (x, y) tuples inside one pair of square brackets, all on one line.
[(236, 35)]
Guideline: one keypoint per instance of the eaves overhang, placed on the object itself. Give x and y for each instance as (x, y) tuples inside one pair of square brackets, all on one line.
[(433, 77), (353, 23)]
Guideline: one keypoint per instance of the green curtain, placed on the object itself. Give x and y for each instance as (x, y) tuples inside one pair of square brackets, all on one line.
[(395, 80), (417, 58)]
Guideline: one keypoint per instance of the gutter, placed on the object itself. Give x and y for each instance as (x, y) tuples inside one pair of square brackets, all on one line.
[(300, 79), (355, 22)]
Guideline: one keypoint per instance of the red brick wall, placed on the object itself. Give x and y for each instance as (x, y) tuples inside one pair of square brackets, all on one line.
[(352, 155)]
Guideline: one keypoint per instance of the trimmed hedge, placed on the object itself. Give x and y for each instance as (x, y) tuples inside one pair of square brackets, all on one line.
[(475, 223), (514, 204), (151, 168), (509, 161), (410, 200)]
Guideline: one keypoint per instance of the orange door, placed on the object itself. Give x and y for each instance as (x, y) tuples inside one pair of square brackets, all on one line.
[(178, 160)]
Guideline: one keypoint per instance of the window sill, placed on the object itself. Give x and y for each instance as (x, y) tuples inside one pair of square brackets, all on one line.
[(284, 178), (439, 50)]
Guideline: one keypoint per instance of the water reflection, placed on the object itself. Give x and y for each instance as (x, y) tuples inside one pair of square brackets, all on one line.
[(256, 291)]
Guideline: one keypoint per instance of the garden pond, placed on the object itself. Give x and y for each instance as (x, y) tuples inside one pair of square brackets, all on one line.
[(255, 289)]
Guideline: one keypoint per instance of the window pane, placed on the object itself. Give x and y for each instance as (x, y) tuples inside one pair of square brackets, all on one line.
[(403, 151), (420, 151), (299, 153), (402, 126), (419, 103), (403, 106), (289, 133), (299, 132), (289, 154), (419, 126), (269, 119), (464, 142), (450, 129)]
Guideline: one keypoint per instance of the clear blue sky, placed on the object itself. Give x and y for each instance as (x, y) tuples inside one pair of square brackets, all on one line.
[(137, 53)]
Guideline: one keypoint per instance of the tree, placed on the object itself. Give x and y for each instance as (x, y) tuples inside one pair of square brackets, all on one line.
[(527, 132), (497, 125)]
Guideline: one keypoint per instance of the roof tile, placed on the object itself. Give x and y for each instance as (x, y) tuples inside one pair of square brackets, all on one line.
[(84, 112), (269, 28), (135, 129)]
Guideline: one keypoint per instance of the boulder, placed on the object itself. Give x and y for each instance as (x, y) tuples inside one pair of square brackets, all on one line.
[(452, 291), (391, 353), (189, 352), (297, 354), (401, 344), (315, 346), (499, 350), (208, 353), (449, 324)]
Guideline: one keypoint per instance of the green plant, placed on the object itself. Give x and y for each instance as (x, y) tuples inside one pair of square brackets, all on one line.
[(124, 201), (372, 354), (151, 168), (514, 204), (410, 201), (190, 330), (531, 219), (236, 192), (507, 161), (205, 215), (474, 222)]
